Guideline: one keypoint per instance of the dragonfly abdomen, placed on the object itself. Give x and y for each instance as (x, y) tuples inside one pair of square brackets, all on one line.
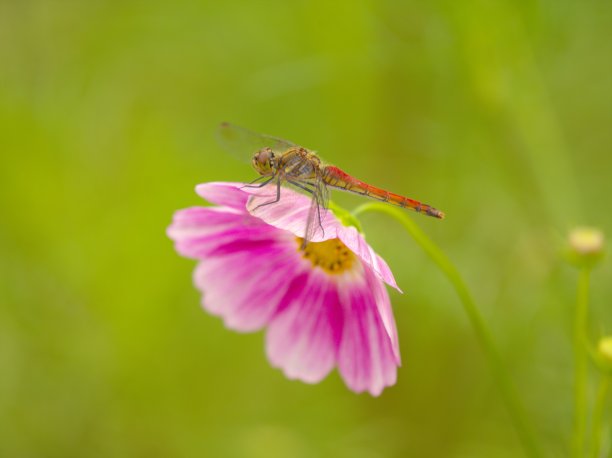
[(337, 178)]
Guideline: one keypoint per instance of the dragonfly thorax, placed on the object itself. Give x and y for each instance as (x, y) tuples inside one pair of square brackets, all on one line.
[(263, 161)]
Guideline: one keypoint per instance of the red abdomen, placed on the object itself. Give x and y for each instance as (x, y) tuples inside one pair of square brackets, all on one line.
[(339, 179)]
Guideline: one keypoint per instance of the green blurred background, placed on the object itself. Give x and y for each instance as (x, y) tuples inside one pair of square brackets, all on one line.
[(497, 112)]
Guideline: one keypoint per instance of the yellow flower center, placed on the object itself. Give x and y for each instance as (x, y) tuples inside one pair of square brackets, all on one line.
[(332, 256)]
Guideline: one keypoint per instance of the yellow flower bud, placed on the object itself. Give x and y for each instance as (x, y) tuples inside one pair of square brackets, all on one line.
[(586, 240), (586, 246), (605, 349)]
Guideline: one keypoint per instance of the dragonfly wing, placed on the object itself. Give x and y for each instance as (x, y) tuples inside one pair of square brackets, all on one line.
[(243, 143), (318, 211)]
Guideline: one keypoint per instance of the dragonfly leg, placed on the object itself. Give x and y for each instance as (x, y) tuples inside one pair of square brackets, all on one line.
[(260, 185), (301, 186), (278, 190)]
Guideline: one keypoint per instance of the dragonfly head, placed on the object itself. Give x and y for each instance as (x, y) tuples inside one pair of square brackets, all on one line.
[(264, 162)]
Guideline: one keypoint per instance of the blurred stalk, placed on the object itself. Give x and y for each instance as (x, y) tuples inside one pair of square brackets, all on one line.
[(580, 361), (500, 374), (600, 403), (586, 249)]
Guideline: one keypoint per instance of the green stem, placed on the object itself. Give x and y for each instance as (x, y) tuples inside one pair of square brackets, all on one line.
[(600, 403), (509, 395), (580, 361)]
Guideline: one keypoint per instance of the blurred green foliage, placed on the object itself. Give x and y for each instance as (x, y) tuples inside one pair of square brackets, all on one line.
[(497, 112)]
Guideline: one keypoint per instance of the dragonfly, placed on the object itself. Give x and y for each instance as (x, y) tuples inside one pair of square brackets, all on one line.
[(282, 163)]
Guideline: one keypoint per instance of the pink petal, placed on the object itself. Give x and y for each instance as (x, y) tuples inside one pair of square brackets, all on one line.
[(224, 193), (242, 286), (368, 356), (383, 305), (303, 336), (199, 232), (351, 237)]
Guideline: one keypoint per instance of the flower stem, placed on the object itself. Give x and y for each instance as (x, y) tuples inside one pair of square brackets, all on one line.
[(600, 403), (500, 374), (580, 361)]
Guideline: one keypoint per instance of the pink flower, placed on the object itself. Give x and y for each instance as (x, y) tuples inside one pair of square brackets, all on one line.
[(324, 305)]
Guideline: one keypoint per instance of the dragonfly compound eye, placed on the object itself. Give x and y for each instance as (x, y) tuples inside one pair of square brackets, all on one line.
[(263, 161)]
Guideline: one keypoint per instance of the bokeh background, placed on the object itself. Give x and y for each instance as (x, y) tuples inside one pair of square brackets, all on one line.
[(497, 112)]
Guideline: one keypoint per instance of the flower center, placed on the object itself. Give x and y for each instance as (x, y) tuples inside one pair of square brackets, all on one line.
[(332, 256)]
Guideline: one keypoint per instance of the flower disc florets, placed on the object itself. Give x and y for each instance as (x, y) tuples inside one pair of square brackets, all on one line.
[(333, 256)]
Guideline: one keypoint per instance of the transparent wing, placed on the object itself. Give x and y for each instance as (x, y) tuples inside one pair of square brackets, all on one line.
[(243, 143), (318, 211)]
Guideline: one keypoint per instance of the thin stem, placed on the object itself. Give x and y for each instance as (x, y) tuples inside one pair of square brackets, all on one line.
[(600, 403), (500, 374), (580, 361)]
